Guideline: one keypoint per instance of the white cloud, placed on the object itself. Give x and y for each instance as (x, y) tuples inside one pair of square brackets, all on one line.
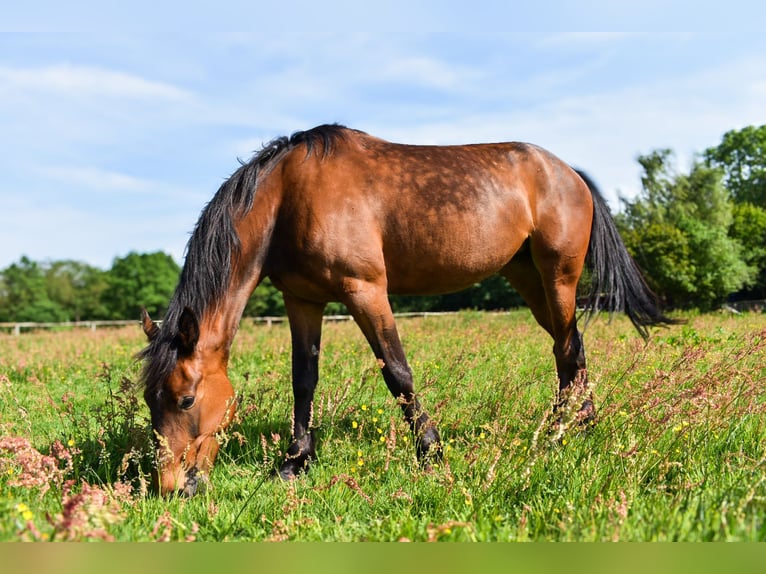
[(98, 179), (45, 231), (106, 182), (68, 79)]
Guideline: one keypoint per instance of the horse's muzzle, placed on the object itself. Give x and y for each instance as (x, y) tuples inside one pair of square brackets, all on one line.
[(196, 483)]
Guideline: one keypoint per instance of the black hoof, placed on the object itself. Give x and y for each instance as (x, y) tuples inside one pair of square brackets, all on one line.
[(586, 416), (429, 447), (294, 465), (196, 483), (299, 455), (287, 473)]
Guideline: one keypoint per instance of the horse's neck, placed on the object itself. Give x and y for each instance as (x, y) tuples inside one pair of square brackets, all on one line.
[(220, 324), (254, 229)]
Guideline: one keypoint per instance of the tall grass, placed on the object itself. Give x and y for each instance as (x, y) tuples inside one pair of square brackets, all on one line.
[(677, 452)]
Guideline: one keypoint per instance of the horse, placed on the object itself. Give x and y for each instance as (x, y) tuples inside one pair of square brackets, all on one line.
[(335, 214)]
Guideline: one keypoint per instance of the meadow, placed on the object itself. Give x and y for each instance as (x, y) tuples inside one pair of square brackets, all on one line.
[(678, 452)]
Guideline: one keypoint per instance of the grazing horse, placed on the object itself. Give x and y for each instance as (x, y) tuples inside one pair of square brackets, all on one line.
[(334, 214)]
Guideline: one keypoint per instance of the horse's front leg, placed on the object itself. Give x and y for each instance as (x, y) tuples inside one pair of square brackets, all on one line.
[(306, 331)]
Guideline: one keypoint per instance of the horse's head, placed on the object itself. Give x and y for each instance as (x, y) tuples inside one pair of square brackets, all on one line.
[(190, 399)]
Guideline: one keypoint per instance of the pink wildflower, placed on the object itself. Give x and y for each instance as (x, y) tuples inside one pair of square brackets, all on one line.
[(88, 513), (34, 469)]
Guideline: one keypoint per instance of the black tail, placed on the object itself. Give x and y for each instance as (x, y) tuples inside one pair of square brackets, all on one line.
[(616, 281)]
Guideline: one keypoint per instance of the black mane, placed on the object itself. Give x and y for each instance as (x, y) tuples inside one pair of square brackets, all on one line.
[(214, 245)]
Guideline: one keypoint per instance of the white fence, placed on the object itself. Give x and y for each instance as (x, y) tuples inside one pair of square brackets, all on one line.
[(17, 327), (759, 305)]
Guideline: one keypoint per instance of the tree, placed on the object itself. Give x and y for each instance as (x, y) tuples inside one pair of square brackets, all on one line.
[(23, 294), (140, 280), (749, 229), (742, 157), (266, 301), (678, 232), (78, 288)]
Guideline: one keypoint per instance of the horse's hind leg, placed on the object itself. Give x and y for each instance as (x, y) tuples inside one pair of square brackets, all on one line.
[(369, 305), (573, 376), (306, 330), (553, 303)]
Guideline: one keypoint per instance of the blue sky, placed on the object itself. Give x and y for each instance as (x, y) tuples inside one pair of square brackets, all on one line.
[(118, 127)]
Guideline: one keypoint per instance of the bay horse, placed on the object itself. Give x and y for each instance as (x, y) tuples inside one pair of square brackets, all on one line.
[(335, 214)]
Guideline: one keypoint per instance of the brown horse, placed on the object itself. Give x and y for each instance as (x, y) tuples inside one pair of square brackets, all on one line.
[(334, 214)]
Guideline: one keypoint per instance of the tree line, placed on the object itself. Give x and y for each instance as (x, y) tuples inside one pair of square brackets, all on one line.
[(74, 291), (700, 238)]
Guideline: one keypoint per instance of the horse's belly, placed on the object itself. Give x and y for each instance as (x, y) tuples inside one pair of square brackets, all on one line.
[(446, 264)]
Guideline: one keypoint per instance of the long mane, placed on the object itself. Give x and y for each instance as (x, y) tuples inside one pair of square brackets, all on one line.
[(214, 245)]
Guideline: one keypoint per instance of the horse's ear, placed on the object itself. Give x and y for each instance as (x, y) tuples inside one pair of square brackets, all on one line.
[(188, 332), (150, 327)]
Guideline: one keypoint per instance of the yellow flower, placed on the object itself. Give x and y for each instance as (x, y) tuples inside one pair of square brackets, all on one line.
[(382, 438), (364, 407), (354, 424), (360, 462), (380, 411), (70, 442), (23, 509), (481, 435), (374, 419)]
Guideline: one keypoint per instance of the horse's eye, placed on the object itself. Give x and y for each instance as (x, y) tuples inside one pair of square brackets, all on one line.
[(186, 403)]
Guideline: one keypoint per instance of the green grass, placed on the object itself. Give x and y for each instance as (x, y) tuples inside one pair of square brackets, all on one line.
[(677, 454)]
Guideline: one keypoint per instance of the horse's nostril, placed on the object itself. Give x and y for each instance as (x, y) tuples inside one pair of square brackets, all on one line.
[(186, 402)]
